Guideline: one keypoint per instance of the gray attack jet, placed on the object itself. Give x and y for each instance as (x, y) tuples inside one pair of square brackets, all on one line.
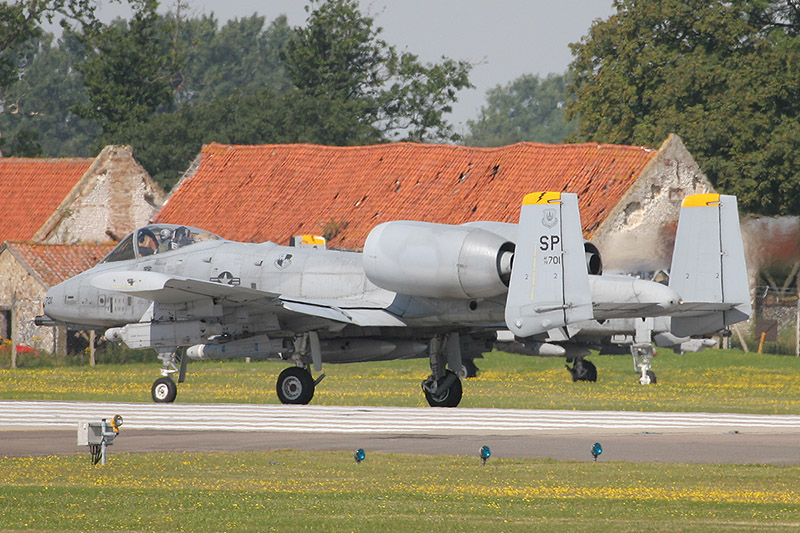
[(418, 290)]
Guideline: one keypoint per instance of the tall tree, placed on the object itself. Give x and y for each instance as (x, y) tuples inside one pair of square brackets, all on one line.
[(724, 75), (352, 87), (241, 55), (21, 42), (38, 120), (527, 109), (128, 71)]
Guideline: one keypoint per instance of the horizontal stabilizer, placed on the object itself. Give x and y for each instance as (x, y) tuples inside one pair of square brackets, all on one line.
[(708, 266)]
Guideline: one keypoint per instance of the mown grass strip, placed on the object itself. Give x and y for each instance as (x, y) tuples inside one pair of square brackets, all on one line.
[(713, 380), (290, 490)]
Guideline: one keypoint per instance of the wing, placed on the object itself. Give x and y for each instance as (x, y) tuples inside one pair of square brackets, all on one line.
[(167, 289)]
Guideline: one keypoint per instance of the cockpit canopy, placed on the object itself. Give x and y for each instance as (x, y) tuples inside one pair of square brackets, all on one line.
[(157, 239)]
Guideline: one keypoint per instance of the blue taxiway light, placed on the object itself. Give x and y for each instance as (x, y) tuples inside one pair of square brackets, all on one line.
[(360, 455), (485, 453), (597, 449)]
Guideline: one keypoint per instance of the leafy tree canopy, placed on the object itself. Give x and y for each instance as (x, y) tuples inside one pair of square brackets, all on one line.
[(722, 74), (527, 109), (128, 70), (353, 88)]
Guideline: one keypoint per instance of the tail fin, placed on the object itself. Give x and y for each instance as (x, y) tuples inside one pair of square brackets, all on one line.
[(549, 285), (708, 266)]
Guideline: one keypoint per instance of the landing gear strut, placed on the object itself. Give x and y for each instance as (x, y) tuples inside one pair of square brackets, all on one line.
[(295, 384), (443, 388), (164, 389), (642, 354)]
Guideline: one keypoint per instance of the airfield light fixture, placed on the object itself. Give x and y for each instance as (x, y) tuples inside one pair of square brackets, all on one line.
[(98, 436), (485, 454), (597, 449), (360, 455)]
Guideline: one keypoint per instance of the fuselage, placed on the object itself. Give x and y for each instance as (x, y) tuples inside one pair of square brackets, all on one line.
[(307, 274)]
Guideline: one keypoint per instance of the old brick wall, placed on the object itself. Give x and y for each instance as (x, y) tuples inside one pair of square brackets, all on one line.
[(639, 233), (29, 292), (115, 197)]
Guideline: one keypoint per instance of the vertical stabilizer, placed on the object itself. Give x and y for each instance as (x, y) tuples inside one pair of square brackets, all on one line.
[(708, 266), (549, 285)]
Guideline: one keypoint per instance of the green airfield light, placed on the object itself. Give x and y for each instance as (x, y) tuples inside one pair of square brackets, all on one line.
[(485, 454), (597, 449), (359, 456)]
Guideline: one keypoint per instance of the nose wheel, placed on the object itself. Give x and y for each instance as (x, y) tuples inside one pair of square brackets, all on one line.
[(164, 390)]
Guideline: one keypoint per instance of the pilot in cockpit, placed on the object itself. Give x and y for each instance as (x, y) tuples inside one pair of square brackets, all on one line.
[(147, 242)]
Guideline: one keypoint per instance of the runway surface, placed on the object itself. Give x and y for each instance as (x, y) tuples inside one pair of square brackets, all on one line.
[(40, 428)]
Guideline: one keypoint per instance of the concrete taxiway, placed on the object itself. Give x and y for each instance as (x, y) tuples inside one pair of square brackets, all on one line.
[(46, 428)]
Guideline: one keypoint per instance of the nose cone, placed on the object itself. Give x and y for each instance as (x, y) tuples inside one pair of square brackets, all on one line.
[(55, 303)]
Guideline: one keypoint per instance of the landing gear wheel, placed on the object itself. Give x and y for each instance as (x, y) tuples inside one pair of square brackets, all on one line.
[(468, 369), (652, 376), (164, 390), (295, 386), (449, 397), (583, 370)]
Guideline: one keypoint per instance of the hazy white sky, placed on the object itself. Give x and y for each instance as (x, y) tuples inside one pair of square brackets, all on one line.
[(504, 38)]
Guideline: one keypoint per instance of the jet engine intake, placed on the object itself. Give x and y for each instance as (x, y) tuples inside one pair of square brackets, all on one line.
[(594, 263), (438, 260)]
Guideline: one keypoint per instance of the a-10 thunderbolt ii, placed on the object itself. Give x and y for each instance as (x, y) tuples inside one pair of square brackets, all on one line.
[(418, 289)]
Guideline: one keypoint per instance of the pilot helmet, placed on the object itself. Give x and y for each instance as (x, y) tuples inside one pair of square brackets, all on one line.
[(165, 234)]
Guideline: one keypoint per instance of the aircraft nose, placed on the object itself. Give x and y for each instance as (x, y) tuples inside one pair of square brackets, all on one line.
[(55, 302)]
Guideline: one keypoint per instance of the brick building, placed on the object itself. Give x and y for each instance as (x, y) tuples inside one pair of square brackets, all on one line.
[(87, 201)]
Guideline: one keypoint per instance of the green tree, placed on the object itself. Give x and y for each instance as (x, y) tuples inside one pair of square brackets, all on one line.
[(38, 105), (128, 71), (722, 74), (351, 87), (241, 55), (527, 109), (20, 23), (22, 41)]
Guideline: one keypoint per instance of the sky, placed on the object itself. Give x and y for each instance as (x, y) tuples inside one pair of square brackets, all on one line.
[(504, 39)]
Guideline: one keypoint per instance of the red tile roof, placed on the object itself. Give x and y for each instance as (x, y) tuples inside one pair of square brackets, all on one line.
[(53, 263), (32, 189), (272, 192)]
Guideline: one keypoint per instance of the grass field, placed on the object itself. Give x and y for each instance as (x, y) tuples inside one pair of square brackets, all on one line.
[(327, 491), (291, 491), (713, 380)]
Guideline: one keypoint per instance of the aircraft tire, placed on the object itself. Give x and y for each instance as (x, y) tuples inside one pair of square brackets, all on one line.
[(584, 371), (164, 390), (295, 386), (450, 398), (468, 369)]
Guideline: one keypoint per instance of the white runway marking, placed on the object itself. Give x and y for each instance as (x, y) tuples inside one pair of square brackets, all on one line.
[(329, 419)]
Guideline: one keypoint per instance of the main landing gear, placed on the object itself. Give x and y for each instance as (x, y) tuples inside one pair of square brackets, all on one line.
[(295, 385), (443, 387)]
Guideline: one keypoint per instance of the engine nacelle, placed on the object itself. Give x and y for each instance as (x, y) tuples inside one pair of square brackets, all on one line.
[(594, 263), (438, 260)]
